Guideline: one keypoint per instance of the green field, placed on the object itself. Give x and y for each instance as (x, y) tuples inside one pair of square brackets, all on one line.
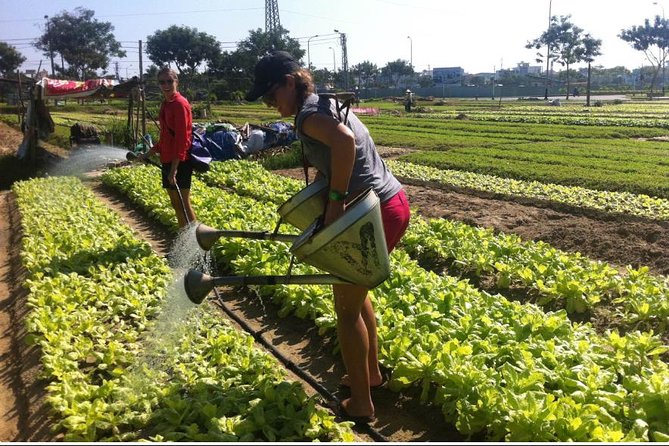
[(627, 153), (612, 147)]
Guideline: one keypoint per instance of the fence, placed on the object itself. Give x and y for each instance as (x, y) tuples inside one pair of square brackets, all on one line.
[(456, 91)]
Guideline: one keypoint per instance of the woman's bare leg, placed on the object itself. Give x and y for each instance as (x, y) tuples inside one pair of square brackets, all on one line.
[(354, 343)]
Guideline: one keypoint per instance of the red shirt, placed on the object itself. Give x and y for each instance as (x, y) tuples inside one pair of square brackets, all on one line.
[(176, 125)]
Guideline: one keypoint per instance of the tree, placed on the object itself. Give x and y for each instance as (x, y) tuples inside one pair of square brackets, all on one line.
[(85, 43), (10, 58), (259, 43), (186, 47), (564, 41), (425, 80), (365, 72), (237, 67), (653, 40), (323, 77), (395, 70), (587, 51)]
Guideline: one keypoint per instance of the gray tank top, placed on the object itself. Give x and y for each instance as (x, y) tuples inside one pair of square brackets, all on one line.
[(369, 170)]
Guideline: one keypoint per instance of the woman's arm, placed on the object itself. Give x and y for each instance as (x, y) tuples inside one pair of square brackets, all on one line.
[(341, 141)]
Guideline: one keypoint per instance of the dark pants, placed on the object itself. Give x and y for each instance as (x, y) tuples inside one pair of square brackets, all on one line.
[(184, 175)]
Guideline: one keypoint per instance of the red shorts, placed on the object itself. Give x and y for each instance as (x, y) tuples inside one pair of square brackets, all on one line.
[(395, 215)]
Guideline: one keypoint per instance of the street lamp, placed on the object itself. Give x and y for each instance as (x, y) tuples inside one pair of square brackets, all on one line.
[(410, 51), (308, 52), (334, 64)]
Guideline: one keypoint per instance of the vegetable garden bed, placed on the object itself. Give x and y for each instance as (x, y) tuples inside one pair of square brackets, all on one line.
[(453, 352)]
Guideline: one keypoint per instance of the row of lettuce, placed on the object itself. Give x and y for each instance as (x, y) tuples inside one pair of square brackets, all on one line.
[(622, 203), (493, 367), (97, 299), (548, 275), (534, 118)]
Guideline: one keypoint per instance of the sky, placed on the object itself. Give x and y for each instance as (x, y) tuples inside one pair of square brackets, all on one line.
[(477, 35)]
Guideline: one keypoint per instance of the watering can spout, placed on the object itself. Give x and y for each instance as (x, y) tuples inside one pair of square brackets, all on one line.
[(206, 236), (198, 285)]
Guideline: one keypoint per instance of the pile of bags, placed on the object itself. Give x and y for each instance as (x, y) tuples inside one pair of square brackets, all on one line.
[(224, 141)]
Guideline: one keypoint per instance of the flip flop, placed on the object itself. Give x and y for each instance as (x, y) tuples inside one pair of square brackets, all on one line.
[(340, 412), (385, 377)]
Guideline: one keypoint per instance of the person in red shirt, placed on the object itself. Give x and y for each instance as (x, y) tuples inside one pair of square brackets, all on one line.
[(176, 124)]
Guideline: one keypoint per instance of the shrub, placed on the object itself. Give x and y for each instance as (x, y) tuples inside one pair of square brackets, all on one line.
[(119, 133)]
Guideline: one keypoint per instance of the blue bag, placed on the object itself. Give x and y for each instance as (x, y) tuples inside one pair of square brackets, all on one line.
[(198, 152)]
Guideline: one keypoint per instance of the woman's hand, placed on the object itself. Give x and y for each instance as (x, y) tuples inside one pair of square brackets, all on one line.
[(172, 178), (333, 211)]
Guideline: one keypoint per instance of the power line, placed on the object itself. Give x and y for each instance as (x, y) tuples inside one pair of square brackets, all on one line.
[(143, 14), (14, 40)]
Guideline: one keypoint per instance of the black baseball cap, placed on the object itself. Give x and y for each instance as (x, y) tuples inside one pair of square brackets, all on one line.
[(269, 71)]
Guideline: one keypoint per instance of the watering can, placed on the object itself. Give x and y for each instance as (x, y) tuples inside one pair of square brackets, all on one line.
[(352, 249)]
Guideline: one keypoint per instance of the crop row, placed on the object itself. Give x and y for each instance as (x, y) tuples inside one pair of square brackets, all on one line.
[(575, 282), (657, 122), (576, 112), (508, 130), (121, 363), (571, 281), (631, 177), (609, 202), (493, 366)]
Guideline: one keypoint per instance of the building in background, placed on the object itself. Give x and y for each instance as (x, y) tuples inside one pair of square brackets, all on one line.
[(524, 68), (448, 75)]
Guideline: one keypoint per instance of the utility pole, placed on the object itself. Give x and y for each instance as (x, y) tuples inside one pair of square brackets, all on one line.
[(548, 47), (344, 57), (142, 95), (46, 17), (494, 81), (272, 22), (410, 51), (662, 50)]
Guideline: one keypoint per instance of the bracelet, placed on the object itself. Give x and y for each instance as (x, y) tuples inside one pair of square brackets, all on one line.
[(336, 195)]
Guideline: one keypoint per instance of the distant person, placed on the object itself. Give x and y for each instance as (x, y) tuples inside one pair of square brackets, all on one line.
[(576, 92), (345, 155), (176, 125), (408, 101), (356, 99)]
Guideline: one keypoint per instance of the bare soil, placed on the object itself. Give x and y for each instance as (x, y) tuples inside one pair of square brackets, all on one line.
[(400, 417)]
